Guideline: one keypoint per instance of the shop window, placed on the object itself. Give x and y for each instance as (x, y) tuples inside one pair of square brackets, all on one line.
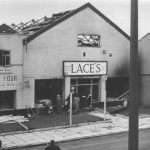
[(95, 93), (73, 81), (95, 81), (4, 58), (84, 81), (88, 40), (48, 89), (7, 99)]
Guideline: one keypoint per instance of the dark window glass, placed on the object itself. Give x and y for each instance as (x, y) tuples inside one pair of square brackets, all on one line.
[(73, 81), (4, 58), (95, 81), (1, 58), (84, 81), (7, 60)]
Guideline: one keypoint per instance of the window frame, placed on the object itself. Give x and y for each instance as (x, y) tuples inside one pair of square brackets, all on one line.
[(4, 58), (98, 42)]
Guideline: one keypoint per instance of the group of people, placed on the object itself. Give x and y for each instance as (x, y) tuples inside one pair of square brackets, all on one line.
[(49, 105), (77, 103)]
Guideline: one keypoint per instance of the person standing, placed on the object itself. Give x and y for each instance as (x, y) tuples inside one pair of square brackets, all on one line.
[(48, 104), (89, 101), (76, 101), (59, 103), (52, 146), (67, 103)]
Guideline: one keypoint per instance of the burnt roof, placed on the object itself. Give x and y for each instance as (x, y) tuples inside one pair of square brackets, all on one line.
[(37, 27), (33, 26)]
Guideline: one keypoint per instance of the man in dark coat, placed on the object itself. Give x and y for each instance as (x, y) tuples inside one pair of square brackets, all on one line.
[(52, 146)]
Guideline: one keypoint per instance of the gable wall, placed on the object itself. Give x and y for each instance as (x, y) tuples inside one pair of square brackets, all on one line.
[(144, 52), (144, 61), (46, 52)]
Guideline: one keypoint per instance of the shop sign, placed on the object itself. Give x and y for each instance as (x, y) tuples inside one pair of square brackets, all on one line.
[(84, 68), (8, 79)]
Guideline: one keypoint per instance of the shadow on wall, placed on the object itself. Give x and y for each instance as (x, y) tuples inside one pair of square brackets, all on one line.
[(122, 70)]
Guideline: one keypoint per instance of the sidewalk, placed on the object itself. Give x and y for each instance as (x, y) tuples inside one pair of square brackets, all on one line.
[(113, 124)]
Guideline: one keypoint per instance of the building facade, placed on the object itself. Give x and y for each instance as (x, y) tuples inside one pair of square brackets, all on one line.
[(144, 61), (83, 39), (11, 68)]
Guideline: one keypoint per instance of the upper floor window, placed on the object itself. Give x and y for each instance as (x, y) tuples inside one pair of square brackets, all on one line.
[(88, 40), (4, 58)]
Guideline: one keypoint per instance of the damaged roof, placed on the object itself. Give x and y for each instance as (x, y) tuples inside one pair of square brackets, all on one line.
[(29, 28), (4, 28), (34, 28)]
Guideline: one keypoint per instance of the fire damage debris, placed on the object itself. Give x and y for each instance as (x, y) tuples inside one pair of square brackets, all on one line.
[(5, 119), (33, 25), (88, 40)]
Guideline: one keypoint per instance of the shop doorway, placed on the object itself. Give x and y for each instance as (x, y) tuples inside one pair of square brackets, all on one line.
[(7, 100), (84, 87), (84, 90)]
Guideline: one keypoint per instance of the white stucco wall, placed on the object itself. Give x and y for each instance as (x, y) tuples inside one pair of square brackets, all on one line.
[(144, 52), (46, 52), (144, 61), (14, 44)]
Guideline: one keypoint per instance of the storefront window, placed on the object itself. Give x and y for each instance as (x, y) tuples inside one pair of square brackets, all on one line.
[(84, 81), (73, 82), (48, 89), (95, 81), (85, 87), (95, 93), (7, 99)]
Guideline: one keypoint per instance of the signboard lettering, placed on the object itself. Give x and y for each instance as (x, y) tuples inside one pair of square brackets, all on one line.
[(85, 68), (8, 79)]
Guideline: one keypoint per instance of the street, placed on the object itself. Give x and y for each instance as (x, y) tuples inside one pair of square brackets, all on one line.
[(109, 142)]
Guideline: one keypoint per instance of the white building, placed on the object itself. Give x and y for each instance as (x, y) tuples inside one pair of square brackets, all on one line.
[(144, 46), (83, 38), (11, 71)]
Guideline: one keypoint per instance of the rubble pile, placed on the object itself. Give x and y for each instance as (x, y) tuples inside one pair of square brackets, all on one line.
[(12, 119)]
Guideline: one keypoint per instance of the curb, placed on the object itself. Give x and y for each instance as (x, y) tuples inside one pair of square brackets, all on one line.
[(51, 128), (68, 126)]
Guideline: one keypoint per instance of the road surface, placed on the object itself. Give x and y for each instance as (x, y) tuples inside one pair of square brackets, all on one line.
[(108, 142)]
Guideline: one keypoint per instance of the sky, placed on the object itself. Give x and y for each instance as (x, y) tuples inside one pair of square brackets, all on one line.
[(118, 11)]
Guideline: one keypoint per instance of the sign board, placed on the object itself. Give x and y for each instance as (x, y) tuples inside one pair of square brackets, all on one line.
[(79, 68), (9, 79)]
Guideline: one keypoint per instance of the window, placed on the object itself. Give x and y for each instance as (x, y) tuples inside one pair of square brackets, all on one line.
[(84, 54), (88, 40), (4, 58)]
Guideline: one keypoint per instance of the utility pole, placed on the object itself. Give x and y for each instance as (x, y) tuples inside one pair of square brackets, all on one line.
[(134, 79)]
